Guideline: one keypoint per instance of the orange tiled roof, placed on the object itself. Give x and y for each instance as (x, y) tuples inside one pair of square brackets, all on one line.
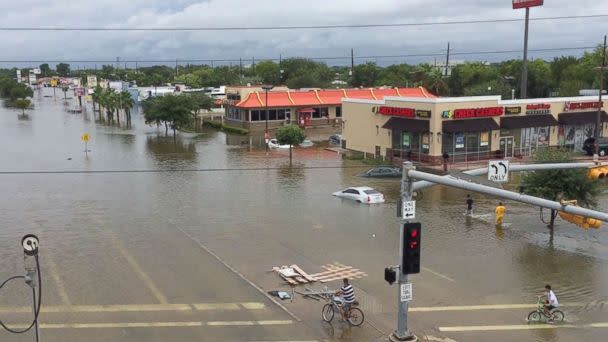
[(325, 97)]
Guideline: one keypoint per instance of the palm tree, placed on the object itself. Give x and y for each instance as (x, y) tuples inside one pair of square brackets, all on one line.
[(436, 82), (126, 103), (96, 94)]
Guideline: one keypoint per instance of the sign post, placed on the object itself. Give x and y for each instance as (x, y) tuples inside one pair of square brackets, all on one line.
[(517, 4), (85, 137)]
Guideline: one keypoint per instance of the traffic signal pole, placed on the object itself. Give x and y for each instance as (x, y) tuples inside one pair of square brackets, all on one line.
[(402, 333)]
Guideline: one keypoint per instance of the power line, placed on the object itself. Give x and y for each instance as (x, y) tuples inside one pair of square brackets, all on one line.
[(59, 172), (581, 48), (304, 27)]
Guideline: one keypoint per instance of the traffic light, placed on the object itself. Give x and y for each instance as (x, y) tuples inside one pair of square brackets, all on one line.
[(410, 264), (390, 275), (584, 222), (597, 172)]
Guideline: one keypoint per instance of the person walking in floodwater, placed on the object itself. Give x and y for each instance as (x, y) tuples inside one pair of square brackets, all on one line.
[(469, 205), (500, 213)]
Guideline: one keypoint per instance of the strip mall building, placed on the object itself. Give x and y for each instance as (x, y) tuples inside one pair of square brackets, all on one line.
[(308, 108), (467, 128)]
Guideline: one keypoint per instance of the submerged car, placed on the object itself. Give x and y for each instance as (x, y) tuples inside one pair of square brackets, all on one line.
[(306, 143), (382, 172), (361, 194), (589, 146), (274, 143)]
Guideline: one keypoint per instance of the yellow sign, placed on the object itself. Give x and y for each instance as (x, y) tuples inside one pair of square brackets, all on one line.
[(54, 82), (85, 137)]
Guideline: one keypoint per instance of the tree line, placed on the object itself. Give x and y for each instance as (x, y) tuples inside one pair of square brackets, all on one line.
[(15, 94), (175, 111), (561, 76)]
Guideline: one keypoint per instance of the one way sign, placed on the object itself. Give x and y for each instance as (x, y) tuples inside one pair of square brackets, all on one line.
[(408, 210), (498, 171)]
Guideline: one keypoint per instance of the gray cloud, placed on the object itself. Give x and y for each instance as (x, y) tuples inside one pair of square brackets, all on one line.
[(310, 43)]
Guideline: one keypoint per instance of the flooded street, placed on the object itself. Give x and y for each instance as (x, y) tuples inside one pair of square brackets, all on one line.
[(151, 238)]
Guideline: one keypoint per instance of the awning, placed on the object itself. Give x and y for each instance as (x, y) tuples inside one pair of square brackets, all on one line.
[(408, 125), (527, 121), (580, 118), (472, 125)]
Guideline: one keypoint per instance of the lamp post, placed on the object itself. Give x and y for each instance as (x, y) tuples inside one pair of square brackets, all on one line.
[(598, 121), (266, 88)]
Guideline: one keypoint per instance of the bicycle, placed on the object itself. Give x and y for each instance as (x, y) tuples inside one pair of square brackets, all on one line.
[(355, 315), (538, 314)]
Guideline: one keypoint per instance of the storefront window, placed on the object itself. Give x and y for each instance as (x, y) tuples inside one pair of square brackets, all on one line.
[(320, 113), (338, 112), (273, 114)]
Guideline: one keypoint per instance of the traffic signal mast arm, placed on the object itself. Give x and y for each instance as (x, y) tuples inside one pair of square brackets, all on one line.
[(515, 168), (536, 201)]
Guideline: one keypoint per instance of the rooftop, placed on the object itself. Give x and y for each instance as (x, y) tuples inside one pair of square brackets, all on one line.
[(291, 98)]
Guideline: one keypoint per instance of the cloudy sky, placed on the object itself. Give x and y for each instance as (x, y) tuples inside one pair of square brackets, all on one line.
[(138, 45)]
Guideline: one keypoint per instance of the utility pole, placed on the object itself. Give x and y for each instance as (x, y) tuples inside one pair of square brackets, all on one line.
[(176, 72), (402, 333), (241, 70), (352, 65), (524, 69), (447, 60), (598, 121)]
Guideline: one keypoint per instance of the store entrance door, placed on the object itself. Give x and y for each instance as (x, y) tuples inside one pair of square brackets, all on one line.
[(506, 146)]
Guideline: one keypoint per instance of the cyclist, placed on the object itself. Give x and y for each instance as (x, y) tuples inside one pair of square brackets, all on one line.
[(551, 302), (347, 292)]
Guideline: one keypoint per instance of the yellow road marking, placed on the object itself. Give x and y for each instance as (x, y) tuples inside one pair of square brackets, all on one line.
[(153, 324), (482, 307), (136, 307), (60, 286), (438, 274), (140, 272)]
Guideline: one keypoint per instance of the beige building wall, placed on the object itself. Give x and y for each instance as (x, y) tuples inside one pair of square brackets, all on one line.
[(364, 129)]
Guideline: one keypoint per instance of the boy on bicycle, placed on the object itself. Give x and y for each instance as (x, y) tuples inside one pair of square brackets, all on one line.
[(347, 292), (551, 302)]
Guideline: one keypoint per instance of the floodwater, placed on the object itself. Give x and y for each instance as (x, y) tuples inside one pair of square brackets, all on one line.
[(256, 212)]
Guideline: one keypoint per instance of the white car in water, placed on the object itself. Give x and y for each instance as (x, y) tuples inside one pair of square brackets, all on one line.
[(274, 143), (361, 194)]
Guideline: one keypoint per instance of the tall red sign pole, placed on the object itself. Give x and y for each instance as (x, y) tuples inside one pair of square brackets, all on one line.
[(517, 4)]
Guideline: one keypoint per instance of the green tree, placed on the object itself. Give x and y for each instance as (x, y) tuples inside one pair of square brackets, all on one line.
[(175, 111), (96, 96), (366, 75), (45, 70), (200, 101), (22, 104), (126, 102), (397, 75), (269, 72), (560, 184), (291, 135), (63, 69)]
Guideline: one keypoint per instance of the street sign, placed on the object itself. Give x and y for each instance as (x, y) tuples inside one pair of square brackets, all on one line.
[(406, 292), (408, 210), (498, 171), (85, 137)]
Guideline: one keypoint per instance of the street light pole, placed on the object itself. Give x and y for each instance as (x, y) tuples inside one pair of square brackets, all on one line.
[(266, 88), (598, 121)]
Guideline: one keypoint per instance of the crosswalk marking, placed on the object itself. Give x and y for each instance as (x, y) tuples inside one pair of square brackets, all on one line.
[(138, 307)]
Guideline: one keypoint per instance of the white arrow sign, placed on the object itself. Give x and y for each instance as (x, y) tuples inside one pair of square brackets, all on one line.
[(408, 210), (498, 171)]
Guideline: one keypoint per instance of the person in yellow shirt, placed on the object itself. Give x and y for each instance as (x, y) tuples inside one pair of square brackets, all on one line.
[(500, 213)]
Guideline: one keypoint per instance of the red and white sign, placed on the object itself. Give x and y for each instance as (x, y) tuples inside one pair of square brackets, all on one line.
[(478, 112), (538, 108), (395, 111), (517, 4), (79, 92), (568, 106)]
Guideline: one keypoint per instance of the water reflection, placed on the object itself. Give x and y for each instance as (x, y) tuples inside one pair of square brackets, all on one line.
[(24, 117), (291, 177), (169, 151)]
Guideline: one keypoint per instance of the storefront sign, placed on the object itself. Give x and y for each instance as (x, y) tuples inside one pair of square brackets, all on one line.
[(425, 141), (423, 114), (568, 106), (395, 111), (406, 140), (447, 114), (459, 141), (512, 110), (517, 4), (484, 139), (478, 112), (538, 108)]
